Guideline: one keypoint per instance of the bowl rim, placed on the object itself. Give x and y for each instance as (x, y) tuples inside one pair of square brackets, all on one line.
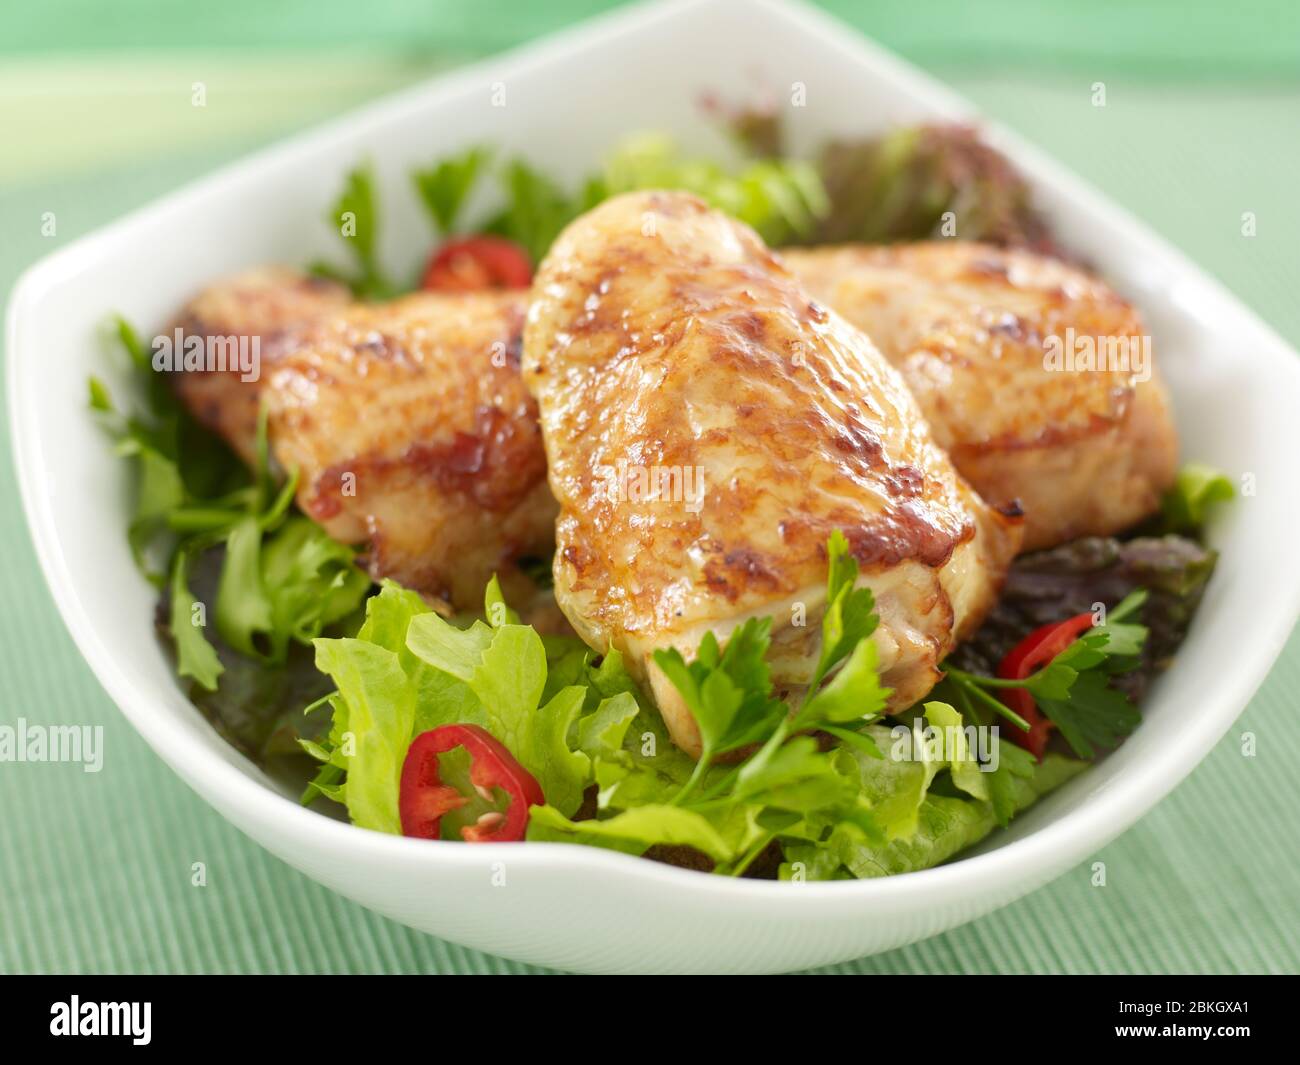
[(1098, 818)]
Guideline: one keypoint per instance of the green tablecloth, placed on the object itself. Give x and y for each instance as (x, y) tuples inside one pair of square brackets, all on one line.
[(1201, 124)]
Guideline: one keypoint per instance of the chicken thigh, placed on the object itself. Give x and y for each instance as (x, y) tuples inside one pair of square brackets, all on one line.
[(707, 426), (1035, 377)]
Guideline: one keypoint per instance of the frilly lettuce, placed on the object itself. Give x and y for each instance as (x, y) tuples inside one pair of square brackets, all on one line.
[(409, 670), (812, 781), (945, 825)]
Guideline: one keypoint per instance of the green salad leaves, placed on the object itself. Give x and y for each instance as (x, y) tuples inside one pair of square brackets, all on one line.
[(823, 782), (1197, 491), (444, 187), (354, 216), (782, 199), (281, 580), (409, 670), (1074, 689), (899, 186), (926, 182)]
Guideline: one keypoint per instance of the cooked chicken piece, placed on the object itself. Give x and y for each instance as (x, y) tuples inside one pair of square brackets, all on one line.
[(707, 427), (412, 431), (409, 423), (1085, 451), (268, 303)]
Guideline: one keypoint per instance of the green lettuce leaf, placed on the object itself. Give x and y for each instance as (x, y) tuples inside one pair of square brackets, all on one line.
[(195, 656), (242, 607), (1014, 764), (504, 671), (601, 733), (635, 830), (897, 785), (388, 616), (781, 198), (1197, 490), (945, 826), (965, 770), (311, 582), (380, 716)]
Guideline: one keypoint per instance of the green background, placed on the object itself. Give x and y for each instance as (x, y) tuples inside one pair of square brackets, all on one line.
[(1202, 123)]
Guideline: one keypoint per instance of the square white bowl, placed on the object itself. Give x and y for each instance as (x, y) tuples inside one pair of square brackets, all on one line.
[(1236, 388)]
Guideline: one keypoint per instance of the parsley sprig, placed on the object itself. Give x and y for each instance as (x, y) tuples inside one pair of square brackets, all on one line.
[(1074, 689), (730, 693), (355, 217)]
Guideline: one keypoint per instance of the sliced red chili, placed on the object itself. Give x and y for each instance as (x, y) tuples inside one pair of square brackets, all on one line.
[(1027, 657), (423, 798), (476, 263)]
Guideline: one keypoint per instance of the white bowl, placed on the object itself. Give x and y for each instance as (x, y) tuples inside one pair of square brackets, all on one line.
[(1236, 386)]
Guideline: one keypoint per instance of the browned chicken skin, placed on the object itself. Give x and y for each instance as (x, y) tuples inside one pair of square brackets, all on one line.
[(268, 303), (1087, 452), (665, 342), (412, 431), (408, 423), (418, 402)]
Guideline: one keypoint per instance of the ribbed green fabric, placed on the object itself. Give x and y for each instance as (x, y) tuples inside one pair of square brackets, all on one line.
[(95, 868)]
